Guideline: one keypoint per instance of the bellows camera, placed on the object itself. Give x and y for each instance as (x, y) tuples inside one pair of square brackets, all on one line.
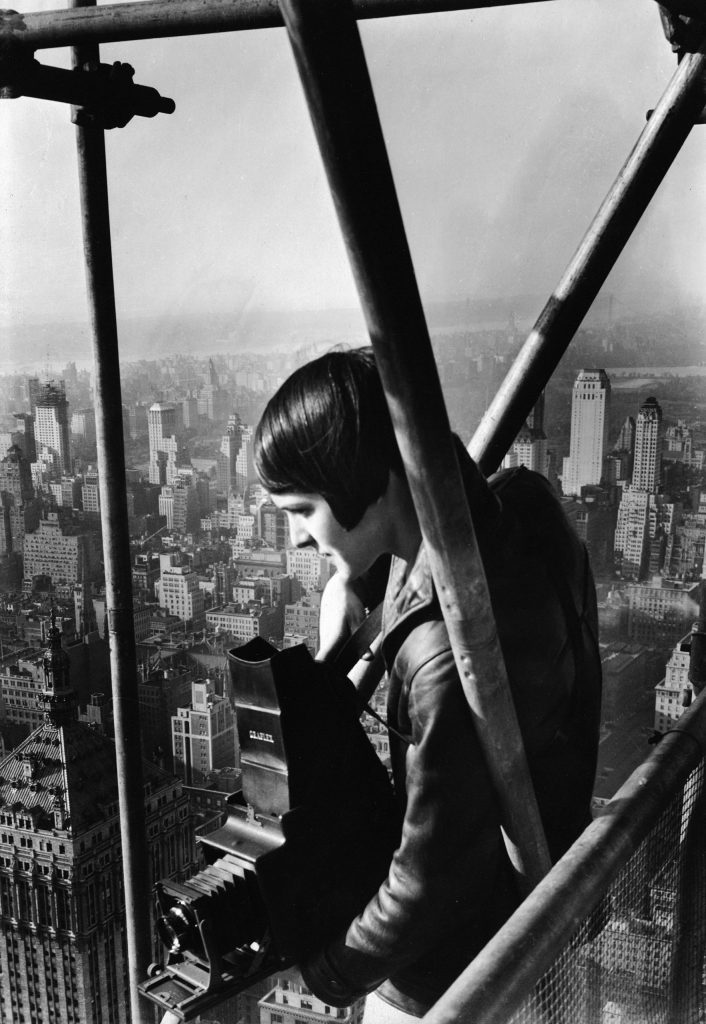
[(303, 848)]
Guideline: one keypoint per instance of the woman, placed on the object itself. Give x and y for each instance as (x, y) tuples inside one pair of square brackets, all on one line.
[(325, 449)]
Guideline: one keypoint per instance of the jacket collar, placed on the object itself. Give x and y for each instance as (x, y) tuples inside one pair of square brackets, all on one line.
[(409, 588)]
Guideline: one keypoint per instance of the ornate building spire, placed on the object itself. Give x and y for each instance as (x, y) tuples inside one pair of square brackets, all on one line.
[(58, 695)]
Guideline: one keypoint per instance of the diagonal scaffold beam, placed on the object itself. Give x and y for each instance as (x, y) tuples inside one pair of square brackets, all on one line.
[(160, 18), (334, 74)]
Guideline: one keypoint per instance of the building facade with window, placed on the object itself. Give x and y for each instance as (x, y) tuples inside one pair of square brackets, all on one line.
[(243, 623), (309, 567), (163, 443), (65, 552), (661, 612), (590, 417), (674, 694), (181, 595), (51, 424), (646, 470), (204, 735), (302, 619), (63, 953), (291, 1002)]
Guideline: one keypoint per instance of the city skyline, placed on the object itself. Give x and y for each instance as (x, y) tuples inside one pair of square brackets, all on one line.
[(213, 569)]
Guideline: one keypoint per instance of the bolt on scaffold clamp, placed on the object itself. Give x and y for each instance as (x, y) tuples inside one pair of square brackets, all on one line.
[(103, 95)]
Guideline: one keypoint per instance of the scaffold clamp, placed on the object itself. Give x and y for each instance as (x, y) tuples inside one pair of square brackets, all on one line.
[(103, 95)]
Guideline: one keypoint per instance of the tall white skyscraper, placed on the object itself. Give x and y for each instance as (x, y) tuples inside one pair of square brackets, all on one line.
[(642, 511), (244, 463), (51, 424), (226, 465), (647, 460), (590, 413), (161, 428)]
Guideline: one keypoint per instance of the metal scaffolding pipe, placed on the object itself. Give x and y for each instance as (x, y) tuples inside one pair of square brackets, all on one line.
[(689, 926), (159, 18), (505, 972), (95, 217), (332, 67), (654, 152)]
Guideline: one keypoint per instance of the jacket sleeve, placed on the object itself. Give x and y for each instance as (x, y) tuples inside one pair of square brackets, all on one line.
[(443, 873)]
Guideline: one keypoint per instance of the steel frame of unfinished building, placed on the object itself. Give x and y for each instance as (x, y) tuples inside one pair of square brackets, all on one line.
[(334, 74)]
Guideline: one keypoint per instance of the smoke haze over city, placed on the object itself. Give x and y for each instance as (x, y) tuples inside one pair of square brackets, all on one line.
[(505, 129)]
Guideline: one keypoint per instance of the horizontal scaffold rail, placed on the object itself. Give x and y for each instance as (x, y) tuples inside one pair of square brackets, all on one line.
[(160, 18), (505, 972)]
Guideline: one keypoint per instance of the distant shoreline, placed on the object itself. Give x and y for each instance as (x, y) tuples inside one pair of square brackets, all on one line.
[(656, 371)]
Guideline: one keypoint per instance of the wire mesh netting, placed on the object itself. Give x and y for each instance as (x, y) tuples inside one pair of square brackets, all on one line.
[(639, 958)]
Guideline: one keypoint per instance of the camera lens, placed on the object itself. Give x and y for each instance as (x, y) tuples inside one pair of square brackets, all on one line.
[(176, 928)]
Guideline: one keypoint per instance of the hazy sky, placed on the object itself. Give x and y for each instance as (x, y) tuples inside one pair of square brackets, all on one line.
[(505, 128)]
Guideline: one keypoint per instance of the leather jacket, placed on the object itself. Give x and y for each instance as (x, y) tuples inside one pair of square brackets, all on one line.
[(450, 885)]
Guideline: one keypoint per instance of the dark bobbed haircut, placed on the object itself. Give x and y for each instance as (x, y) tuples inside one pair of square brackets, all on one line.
[(328, 431)]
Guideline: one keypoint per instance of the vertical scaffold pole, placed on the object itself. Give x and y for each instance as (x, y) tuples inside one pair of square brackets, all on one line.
[(331, 63), (654, 152), (93, 184)]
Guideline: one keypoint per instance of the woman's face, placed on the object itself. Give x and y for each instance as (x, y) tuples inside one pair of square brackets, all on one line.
[(313, 524)]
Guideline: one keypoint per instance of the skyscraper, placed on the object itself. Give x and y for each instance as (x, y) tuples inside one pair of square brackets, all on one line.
[(34, 387), (235, 467), (63, 955), (16, 493), (590, 414), (227, 456), (83, 424), (179, 592), (647, 461), (213, 402), (161, 692), (90, 493), (641, 511), (51, 424), (625, 441), (23, 434), (204, 735), (244, 463), (643, 517), (224, 576), (674, 693), (632, 533), (164, 447), (178, 502), (272, 525), (530, 446), (67, 552)]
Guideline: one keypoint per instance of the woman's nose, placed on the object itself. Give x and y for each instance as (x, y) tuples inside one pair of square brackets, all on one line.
[(298, 534)]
